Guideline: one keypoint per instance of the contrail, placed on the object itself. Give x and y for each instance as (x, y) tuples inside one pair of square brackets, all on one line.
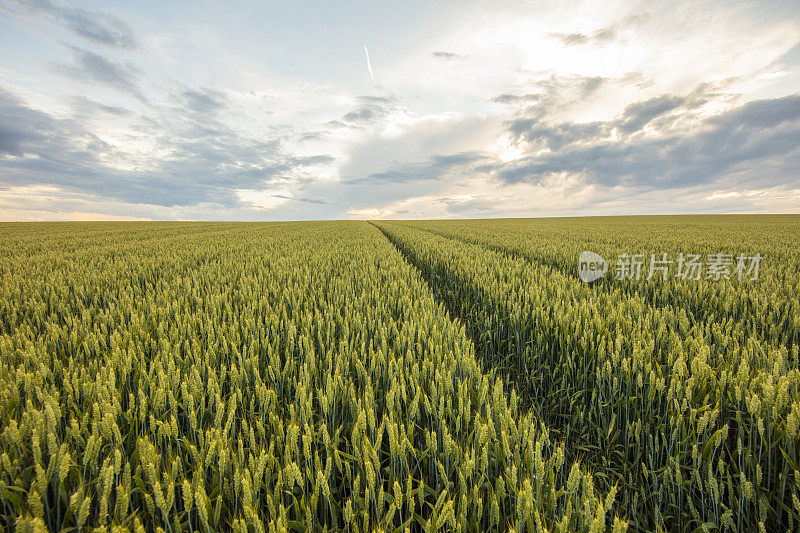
[(369, 67)]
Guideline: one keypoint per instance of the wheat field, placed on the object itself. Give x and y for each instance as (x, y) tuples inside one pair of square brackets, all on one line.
[(398, 375)]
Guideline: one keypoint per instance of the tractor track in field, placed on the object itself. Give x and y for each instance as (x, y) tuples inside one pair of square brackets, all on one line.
[(472, 330), (695, 312)]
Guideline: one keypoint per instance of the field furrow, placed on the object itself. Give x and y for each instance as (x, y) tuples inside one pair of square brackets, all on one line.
[(261, 376), (661, 406), (771, 314)]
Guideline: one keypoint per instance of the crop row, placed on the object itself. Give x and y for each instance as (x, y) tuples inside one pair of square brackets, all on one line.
[(696, 421), (254, 377), (767, 307)]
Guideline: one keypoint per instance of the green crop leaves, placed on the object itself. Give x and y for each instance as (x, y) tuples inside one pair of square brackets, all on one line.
[(681, 393), (437, 376), (256, 377)]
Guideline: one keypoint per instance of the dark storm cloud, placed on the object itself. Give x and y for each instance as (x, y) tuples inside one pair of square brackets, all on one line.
[(202, 160), (90, 67), (97, 27), (755, 141)]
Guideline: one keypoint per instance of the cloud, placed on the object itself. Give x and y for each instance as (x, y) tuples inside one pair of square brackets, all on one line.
[(377, 100), (660, 113), (311, 160), (96, 27), (184, 158), (204, 100), (435, 168), (756, 141), (759, 115), (604, 35), (638, 115), (555, 137), (369, 109), (577, 86), (599, 37), (514, 99), (28, 132), (90, 67), (571, 39), (446, 55), (85, 107), (362, 114), (404, 147), (556, 92)]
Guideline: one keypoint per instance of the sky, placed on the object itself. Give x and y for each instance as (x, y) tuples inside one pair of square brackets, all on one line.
[(282, 110)]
